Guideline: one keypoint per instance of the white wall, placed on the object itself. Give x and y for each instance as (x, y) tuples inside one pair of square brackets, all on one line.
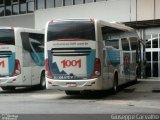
[(157, 9), (153, 30), (111, 10), (145, 9), (26, 20)]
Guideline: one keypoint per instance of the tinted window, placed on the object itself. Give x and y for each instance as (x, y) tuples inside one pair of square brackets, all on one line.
[(33, 48), (37, 41), (7, 2), (148, 56), (71, 29), (155, 56), (114, 43), (155, 43), (109, 33), (125, 44), (33, 41), (133, 41), (14, 0), (148, 44), (1, 2), (7, 37), (8, 10), (8, 7)]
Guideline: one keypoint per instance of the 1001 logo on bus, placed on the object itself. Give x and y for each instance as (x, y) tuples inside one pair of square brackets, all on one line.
[(2, 64), (71, 63)]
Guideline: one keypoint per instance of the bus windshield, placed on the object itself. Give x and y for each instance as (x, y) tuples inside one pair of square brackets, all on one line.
[(66, 30), (7, 37)]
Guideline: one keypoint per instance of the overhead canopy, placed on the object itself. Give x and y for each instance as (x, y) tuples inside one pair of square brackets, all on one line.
[(143, 24)]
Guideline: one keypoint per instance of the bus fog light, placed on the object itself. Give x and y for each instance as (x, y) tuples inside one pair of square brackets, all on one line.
[(97, 73), (17, 72), (49, 82), (93, 83)]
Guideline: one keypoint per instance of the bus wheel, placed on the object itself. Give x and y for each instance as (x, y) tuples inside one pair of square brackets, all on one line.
[(42, 82), (115, 85), (72, 92), (8, 88)]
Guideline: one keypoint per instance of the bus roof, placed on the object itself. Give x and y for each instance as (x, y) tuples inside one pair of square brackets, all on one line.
[(3, 27), (115, 25)]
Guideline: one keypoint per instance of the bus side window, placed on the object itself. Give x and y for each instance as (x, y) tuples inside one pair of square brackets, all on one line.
[(25, 41), (114, 43), (37, 48), (105, 34), (125, 44), (133, 41)]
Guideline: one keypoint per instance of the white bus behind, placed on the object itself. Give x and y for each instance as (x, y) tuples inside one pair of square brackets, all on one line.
[(21, 58)]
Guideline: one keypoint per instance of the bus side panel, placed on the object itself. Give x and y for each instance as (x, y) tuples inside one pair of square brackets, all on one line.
[(126, 65), (37, 69), (133, 66), (35, 75), (113, 60), (105, 71)]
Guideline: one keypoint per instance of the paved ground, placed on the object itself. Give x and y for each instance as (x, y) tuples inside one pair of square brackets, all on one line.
[(142, 97)]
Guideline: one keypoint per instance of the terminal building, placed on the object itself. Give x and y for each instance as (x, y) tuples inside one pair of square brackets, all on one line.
[(143, 15)]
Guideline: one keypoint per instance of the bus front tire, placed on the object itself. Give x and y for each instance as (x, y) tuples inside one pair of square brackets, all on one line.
[(72, 92), (115, 85), (8, 88), (42, 82)]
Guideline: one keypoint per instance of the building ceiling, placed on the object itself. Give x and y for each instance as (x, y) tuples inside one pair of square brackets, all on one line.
[(143, 24)]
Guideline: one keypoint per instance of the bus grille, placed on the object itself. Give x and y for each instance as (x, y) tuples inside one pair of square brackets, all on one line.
[(5, 54), (71, 51)]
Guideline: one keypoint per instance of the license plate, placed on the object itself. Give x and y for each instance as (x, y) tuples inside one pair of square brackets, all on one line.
[(71, 84)]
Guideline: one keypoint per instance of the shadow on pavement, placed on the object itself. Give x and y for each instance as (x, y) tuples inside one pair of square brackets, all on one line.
[(20, 90), (106, 94)]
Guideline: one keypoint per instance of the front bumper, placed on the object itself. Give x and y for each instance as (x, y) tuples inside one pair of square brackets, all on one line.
[(79, 85), (8, 81)]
